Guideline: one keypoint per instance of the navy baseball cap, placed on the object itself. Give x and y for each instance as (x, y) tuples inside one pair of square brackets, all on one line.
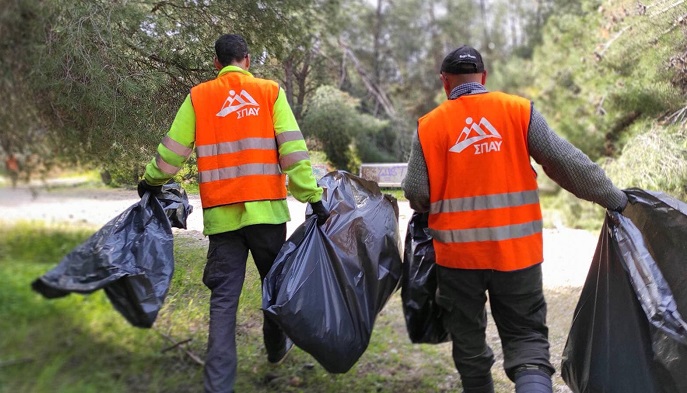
[(464, 60)]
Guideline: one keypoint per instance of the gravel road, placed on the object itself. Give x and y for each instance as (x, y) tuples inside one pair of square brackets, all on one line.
[(567, 252)]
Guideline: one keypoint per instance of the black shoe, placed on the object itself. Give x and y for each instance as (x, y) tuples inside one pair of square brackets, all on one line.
[(279, 357)]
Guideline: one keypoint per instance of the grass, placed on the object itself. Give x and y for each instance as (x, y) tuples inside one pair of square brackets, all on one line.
[(73, 344), (79, 343)]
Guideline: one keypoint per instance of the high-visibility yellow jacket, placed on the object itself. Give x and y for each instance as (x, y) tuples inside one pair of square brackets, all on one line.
[(484, 211), (227, 152), (238, 160)]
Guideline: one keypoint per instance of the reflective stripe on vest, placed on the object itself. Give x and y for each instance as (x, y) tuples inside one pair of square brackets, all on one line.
[(484, 203), (258, 144), (236, 146), (234, 172), (238, 159), (507, 232)]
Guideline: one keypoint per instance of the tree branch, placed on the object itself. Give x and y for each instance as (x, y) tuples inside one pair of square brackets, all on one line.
[(190, 354), (608, 44), (176, 345), (679, 116), (372, 88), (600, 55), (677, 3)]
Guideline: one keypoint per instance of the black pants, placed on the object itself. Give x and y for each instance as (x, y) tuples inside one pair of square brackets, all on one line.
[(518, 308), (224, 275)]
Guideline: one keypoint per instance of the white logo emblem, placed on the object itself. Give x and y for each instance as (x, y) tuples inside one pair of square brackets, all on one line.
[(474, 134), (237, 103)]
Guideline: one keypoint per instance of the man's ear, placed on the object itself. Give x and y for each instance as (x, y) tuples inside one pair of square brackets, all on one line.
[(218, 65), (247, 61), (484, 77), (446, 84)]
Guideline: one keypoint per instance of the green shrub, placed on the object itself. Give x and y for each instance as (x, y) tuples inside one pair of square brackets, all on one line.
[(654, 159), (349, 137), (572, 212), (331, 117)]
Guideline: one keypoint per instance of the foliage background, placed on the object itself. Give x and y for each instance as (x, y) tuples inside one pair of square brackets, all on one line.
[(95, 84)]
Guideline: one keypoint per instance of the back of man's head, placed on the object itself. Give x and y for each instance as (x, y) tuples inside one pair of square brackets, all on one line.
[(230, 48), (464, 60)]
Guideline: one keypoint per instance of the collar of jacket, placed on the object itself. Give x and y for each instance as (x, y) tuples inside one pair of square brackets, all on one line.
[(233, 68), (467, 88)]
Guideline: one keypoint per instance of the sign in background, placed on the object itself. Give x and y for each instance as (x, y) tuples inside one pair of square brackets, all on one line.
[(386, 175), (319, 170)]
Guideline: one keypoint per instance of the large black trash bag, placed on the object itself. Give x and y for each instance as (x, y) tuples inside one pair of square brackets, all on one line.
[(175, 203), (662, 223), (131, 258), (418, 285), (628, 334), (329, 283)]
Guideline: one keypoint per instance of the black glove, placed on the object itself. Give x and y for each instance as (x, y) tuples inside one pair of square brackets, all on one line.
[(621, 209), (144, 187), (321, 212)]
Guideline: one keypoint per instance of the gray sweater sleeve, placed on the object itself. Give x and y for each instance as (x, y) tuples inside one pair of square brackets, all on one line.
[(564, 163), (416, 183), (570, 167)]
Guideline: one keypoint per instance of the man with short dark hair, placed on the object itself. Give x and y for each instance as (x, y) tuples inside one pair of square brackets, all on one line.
[(247, 141), (470, 168)]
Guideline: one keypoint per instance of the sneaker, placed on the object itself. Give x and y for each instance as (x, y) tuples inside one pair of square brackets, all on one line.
[(279, 357)]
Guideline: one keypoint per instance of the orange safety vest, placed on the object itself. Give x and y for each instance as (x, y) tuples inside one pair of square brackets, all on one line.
[(238, 159), (485, 211)]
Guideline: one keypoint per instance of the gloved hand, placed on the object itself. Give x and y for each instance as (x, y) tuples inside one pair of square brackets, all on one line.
[(143, 186), (321, 212), (614, 216), (621, 209)]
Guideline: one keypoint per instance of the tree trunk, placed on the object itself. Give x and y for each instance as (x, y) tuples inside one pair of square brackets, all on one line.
[(485, 24), (302, 82), (376, 55), (375, 90), (288, 79)]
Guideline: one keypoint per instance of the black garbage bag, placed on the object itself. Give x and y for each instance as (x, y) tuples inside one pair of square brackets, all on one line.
[(419, 283), (329, 283), (175, 203), (131, 258), (628, 334)]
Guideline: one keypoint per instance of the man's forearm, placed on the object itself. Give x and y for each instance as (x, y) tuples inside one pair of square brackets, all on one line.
[(570, 167)]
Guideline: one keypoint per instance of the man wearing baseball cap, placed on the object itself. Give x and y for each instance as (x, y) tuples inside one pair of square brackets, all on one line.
[(470, 168)]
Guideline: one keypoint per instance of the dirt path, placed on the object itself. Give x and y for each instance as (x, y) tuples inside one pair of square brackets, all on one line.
[(567, 252)]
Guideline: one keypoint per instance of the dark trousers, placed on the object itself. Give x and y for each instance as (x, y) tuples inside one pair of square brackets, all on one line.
[(517, 306), (224, 275)]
